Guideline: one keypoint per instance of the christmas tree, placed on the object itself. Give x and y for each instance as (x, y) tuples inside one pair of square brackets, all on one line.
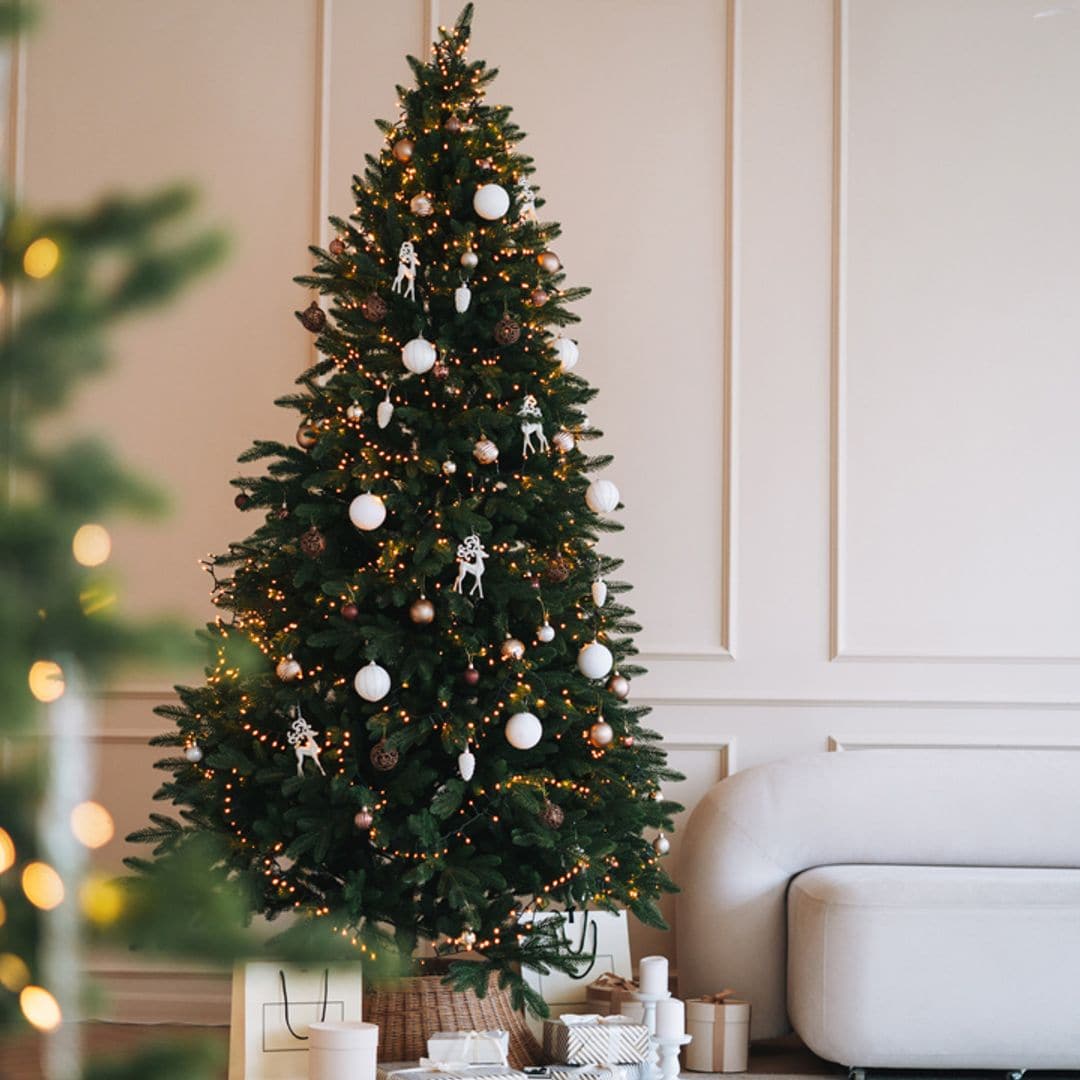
[(415, 720)]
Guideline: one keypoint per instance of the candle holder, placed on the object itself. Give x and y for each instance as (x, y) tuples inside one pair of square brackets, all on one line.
[(648, 1003), (669, 1046)]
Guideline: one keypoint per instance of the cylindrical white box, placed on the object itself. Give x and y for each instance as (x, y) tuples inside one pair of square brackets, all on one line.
[(721, 1035), (342, 1051)]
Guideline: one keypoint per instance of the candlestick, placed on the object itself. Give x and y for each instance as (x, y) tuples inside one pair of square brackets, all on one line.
[(670, 1018), (648, 1004), (669, 1054), (653, 975)]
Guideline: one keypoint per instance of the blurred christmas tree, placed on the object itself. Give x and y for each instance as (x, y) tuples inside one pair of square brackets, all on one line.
[(415, 722)]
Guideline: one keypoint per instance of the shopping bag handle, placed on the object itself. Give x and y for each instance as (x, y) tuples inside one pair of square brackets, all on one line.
[(285, 998)]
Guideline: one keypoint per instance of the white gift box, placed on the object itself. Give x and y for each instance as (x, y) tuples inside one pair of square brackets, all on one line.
[(338, 1050), (412, 1070), (469, 1047), (721, 1035), (582, 1040)]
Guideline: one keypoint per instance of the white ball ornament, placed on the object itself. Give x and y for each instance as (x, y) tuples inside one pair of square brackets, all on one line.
[(546, 633), (523, 731), (418, 356), (491, 201), (367, 512), (566, 352), (594, 660), (602, 496), (661, 845), (372, 682), (193, 753), (354, 411)]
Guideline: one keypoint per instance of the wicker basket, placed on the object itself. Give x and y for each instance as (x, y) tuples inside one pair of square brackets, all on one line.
[(409, 1010)]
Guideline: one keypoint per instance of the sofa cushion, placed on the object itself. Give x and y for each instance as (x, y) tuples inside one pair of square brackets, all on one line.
[(936, 967)]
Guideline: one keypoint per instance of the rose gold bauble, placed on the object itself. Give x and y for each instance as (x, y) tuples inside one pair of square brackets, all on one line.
[(422, 611), (364, 819), (549, 262), (403, 149), (619, 686), (600, 734), (512, 649)]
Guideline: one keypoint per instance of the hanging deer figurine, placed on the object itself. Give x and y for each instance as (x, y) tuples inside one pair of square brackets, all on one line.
[(531, 424), (408, 261), (528, 200), (470, 557), (302, 739)]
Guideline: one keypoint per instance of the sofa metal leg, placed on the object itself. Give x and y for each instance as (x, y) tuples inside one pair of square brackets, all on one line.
[(1015, 1074), (856, 1073)]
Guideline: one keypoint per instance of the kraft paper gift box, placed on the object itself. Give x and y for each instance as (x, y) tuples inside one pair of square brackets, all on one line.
[(469, 1047), (606, 994), (429, 1070), (720, 1027), (591, 1039)]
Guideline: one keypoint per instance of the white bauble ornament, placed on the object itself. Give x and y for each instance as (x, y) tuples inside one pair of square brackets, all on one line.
[(354, 411), (601, 734), (546, 632), (288, 670), (602, 496), (384, 411), (485, 451), (372, 682), (661, 845), (564, 441), (469, 259), (491, 201), (449, 467), (466, 764), (418, 356), (566, 352), (367, 511), (594, 660), (512, 649), (462, 298), (193, 753), (421, 206), (523, 731), (599, 592)]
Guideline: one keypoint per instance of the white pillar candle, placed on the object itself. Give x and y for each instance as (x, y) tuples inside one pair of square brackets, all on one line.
[(342, 1050), (653, 976), (670, 1019)]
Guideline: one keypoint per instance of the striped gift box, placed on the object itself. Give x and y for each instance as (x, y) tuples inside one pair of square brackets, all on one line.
[(587, 1040)]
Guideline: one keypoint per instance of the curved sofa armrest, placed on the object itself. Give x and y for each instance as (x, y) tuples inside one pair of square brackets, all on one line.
[(752, 833)]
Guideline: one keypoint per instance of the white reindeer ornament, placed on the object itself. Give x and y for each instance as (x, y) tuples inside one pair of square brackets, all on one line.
[(527, 198), (532, 424), (408, 262), (302, 739), (470, 557)]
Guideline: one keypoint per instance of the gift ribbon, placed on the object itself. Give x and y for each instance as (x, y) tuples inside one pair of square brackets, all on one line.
[(719, 1033), (716, 999), (610, 981), (428, 1066), (477, 1039)]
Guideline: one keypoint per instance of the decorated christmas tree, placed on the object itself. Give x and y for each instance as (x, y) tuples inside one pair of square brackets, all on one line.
[(415, 721)]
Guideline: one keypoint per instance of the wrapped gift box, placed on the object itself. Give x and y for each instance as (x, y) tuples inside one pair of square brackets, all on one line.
[(606, 994), (631, 1071), (469, 1047), (412, 1070), (720, 1027), (585, 1040)]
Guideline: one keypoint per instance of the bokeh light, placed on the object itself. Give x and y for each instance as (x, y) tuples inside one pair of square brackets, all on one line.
[(101, 900), (14, 974), (46, 680), (91, 545), (3, 913), (7, 851), (41, 257), (92, 824), (40, 1008), (42, 886)]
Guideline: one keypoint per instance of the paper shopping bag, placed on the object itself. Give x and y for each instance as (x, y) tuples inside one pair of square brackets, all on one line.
[(272, 1006)]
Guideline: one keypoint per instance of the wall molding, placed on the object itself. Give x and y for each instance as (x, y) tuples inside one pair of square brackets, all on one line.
[(839, 648), (840, 744)]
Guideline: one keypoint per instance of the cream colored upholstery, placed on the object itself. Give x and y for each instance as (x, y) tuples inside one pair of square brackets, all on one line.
[(754, 832)]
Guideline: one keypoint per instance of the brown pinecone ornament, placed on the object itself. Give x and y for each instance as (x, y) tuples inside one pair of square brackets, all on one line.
[(313, 543), (552, 815), (373, 307), (312, 318), (383, 756), (507, 330)]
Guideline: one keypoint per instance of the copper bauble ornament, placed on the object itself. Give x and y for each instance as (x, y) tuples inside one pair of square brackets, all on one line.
[(312, 318), (600, 734), (549, 262), (485, 451), (307, 435), (364, 819), (507, 330), (512, 649), (383, 756), (403, 149), (242, 501), (452, 125), (539, 298), (470, 676), (336, 247), (373, 307), (313, 543), (619, 686), (422, 611), (558, 570), (349, 611), (552, 815)]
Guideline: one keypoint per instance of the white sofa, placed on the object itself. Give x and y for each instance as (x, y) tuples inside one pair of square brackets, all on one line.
[(898, 908)]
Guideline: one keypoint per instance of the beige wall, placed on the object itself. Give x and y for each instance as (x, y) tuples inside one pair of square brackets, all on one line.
[(835, 248)]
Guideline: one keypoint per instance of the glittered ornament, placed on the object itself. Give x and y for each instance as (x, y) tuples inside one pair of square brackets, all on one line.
[(242, 501), (422, 611), (193, 753), (661, 845), (354, 411), (601, 734), (421, 206), (538, 297), (336, 247), (549, 262), (349, 611), (507, 330), (469, 259), (373, 307), (485, 451), (619, 686), (470, 676), (552, 815), (546, 632), (288, 670), (312, 318), (451, 125), (558, 570), (403, 149), (563, 441), (383, 756), (512, 649), (449, 467), (313, 543), (307, 435), (363, 819)]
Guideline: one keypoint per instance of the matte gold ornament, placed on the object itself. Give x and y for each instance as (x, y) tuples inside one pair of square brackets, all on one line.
[(312, 318), (552, 815), (422, 611), (601, 734), (364, 819), (404, 149), (507, 330), (485, 451), (422, 206), (373, 307), (512, 649), (307, 435), (288, 670), (383, 756), (661, 845), (313, 543), (549, 262), (619, 686)]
